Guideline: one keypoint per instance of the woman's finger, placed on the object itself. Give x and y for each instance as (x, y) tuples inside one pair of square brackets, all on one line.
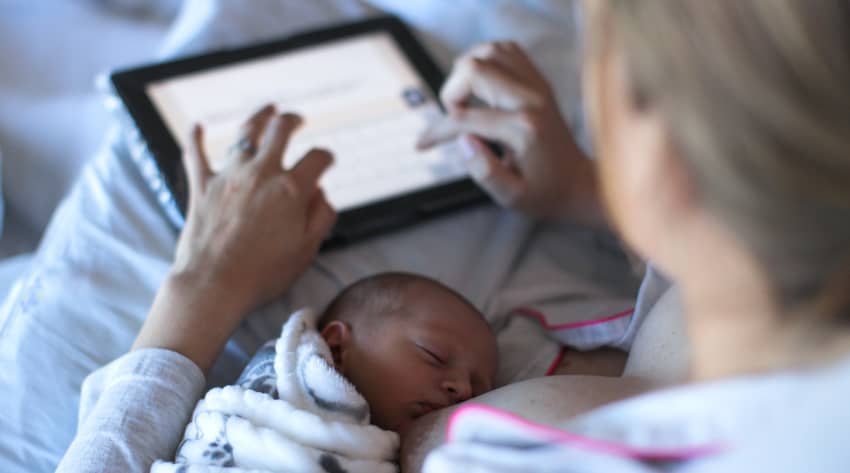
[(501, 126), (195, 162), (276, 136), (321, 217), (250, 133), (310, 168), (515, 60), (507, 54), (489, 81), (499, 180)]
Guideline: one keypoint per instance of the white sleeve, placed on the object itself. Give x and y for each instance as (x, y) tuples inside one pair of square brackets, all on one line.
[(133, 411)]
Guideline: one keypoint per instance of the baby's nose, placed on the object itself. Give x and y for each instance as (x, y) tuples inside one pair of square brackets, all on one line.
[(458, 389)]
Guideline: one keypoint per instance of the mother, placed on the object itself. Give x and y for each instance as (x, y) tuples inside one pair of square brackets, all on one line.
[(723, 132)]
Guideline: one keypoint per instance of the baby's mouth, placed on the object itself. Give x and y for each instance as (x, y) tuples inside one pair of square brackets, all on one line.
[(425, 407)]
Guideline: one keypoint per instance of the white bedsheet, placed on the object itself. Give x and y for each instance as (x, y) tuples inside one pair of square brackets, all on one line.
[(51, 117), (85, 294)]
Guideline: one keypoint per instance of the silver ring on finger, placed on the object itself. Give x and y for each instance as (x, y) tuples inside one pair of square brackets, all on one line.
[(244, 148)]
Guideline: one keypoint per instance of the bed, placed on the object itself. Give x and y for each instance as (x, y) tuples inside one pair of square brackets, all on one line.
[(77, 292)]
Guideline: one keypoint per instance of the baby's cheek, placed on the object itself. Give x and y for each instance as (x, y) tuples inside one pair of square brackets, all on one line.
[(386, 398)]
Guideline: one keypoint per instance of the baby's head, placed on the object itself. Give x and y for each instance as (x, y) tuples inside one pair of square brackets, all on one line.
[(410, 345)]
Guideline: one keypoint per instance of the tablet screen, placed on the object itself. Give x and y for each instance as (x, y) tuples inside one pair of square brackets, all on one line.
[(360, 98)]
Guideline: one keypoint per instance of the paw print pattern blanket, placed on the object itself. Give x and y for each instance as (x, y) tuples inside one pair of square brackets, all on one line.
[(290, 411)]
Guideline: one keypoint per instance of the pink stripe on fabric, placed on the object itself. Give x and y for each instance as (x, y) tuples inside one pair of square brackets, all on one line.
[(556, 361), (567, 438), (535, 314)]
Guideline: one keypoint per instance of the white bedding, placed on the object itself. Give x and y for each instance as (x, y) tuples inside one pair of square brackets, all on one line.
[(87, 290), (51, 117)]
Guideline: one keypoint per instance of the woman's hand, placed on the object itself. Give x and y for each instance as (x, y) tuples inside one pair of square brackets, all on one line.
[(543, 173), (254, 227), (250, 231)]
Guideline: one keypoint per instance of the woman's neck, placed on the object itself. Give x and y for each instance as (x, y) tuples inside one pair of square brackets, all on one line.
[(735, 326), (731, 328)]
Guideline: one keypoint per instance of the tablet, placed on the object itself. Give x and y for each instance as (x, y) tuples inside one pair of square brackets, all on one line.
[(365, 91)]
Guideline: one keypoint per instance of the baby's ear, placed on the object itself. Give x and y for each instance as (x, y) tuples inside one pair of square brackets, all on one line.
[(337, 335)]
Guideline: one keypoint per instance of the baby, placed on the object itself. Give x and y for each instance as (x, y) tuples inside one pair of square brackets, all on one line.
[(410, 345), (333, 392)]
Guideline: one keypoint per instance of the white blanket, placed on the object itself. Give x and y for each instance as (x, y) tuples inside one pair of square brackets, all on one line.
[(289, 411)]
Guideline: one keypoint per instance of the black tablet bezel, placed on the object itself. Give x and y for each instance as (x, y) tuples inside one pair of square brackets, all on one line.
[(371, 218)]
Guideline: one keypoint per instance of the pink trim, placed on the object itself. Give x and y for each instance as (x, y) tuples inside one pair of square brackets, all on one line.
[(535, 314), (556, 362), (600, 446)]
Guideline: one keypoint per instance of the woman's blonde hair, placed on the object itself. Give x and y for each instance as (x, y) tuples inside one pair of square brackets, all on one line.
[(756, 94)]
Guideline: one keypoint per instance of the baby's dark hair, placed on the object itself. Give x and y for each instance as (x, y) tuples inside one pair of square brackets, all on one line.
[(380, 294)]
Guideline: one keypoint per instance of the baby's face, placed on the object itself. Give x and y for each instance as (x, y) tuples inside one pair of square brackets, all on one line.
[(439, 353)]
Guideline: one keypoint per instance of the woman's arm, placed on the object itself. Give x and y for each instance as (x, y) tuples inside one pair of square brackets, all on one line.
[(132, 412), (250, 231)]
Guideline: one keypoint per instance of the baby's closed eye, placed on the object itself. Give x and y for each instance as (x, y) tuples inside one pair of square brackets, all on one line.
[(432, 355)]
